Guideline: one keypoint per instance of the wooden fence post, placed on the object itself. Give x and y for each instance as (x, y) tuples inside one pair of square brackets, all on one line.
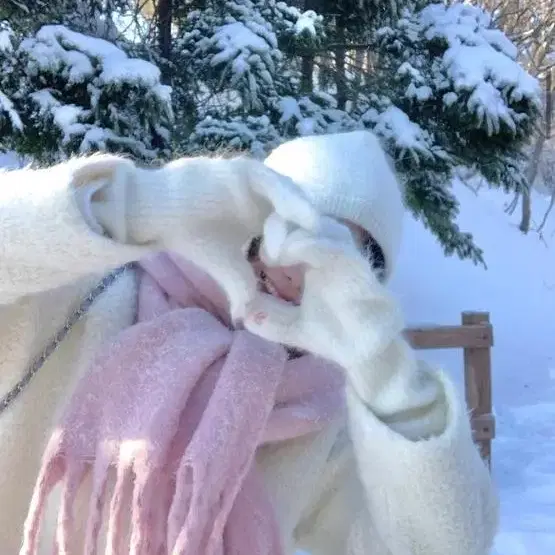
[(477, 378)]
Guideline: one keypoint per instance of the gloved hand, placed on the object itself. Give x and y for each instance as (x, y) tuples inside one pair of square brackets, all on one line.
[(205, 209), (347, 316), (345, 312)]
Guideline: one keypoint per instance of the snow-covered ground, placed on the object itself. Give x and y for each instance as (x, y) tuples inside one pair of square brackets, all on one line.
[(518, 289)]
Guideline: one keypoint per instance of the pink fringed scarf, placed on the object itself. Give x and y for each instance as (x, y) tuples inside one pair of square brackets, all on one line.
[(175, 408)]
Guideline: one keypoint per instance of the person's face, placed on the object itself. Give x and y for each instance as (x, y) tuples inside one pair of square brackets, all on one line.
[(287, 282)]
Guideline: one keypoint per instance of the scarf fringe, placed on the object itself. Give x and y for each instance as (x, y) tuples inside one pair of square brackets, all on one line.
[(71, 476), (94, 520), (169, 448), (51, 474), (75, 475), (179, 510), (143, 517)]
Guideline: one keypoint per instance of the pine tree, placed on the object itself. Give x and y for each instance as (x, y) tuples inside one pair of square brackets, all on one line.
[(452, 95), (87, 16), (243, 58), (63, 93), (439, 84)]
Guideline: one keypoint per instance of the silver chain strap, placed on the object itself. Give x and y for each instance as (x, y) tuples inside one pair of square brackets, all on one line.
[(7, 400)]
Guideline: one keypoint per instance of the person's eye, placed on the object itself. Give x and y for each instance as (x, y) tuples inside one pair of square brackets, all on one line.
[(375, 255), (254, 249)]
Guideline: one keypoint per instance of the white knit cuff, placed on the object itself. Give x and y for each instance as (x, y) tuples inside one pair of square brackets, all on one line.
[(130, 213), (83, 198), (401, 392)]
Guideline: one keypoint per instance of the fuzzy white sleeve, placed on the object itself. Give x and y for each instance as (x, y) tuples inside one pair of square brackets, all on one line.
[(430, 496), (425, 484), (45, 240), (427, 497)]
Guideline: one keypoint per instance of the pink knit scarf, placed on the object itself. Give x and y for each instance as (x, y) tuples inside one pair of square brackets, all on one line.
[(166, 423)]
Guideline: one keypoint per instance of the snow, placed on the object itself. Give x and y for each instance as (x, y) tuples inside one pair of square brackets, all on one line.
[(254, 134), (480, 61), (94, 137), (394, 125), (248, 50), (87, 92), (6, 105), (130, 70), (66, 117), (289, 109), (518, 289), (420, 94), (10, 161), (6, 35), (306, 23), (450, 98), (307, 126), (314, 115), (57, 48), (164, 93), (237, 41)]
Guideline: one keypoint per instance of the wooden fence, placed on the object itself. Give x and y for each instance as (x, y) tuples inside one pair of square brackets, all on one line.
[(475, 337)]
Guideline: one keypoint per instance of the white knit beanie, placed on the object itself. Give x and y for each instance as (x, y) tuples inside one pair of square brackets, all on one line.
[(348, 175)]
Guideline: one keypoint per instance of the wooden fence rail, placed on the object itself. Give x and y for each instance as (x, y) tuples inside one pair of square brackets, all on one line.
[(475, 337)]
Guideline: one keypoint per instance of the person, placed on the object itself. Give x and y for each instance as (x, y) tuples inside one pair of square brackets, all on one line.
[(149, 421)]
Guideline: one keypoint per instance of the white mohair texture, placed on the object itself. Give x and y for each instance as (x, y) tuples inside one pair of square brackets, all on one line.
[(397, 475), (349, 176), (204, 209)]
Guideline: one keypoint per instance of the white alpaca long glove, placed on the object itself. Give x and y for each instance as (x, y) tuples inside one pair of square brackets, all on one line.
[(348, 317), (205, 209)]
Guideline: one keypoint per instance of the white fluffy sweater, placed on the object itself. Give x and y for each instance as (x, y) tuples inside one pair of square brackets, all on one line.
[(359, 488)]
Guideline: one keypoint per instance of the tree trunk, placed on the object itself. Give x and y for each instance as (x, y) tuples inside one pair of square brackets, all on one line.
[(307, 72), (547, 212), (340, 55), (526, 211), (164, 17), (360, 73), (548, 103), (532, 170), (307, 62), (531, 173)]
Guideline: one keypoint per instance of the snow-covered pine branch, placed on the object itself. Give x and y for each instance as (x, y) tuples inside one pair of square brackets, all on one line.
[(447, 91), (65, 93), (246, 78)]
